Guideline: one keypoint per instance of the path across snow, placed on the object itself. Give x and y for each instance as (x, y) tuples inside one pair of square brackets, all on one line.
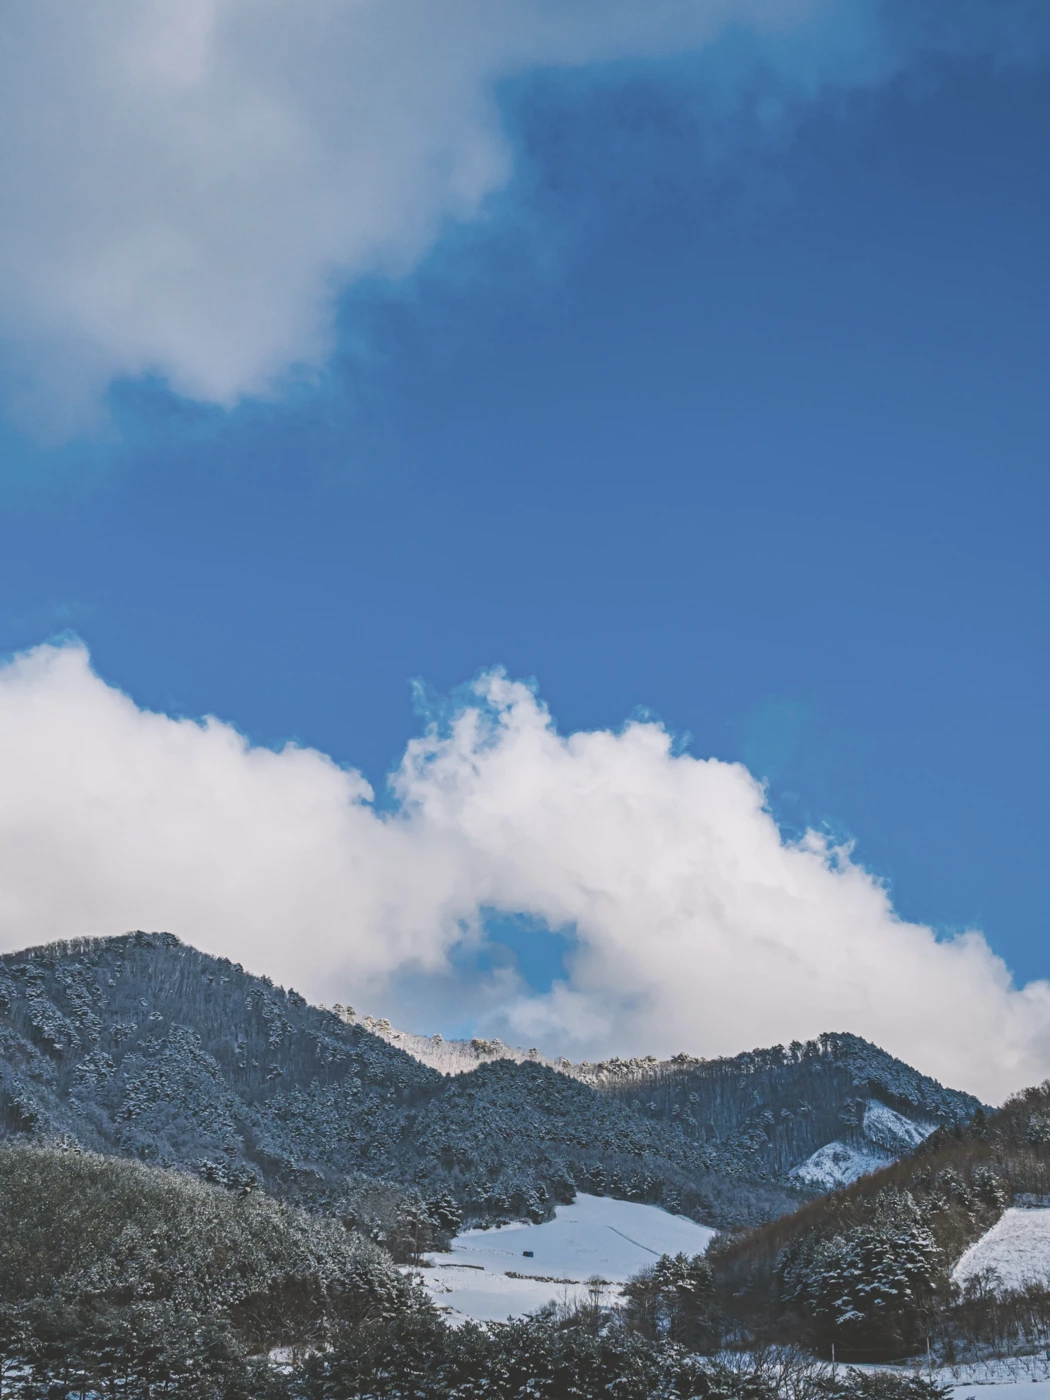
[(593, 1236)]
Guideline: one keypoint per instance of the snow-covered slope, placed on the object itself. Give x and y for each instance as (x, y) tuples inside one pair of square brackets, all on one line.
[(884, 1135), (451, 1056), (891, 1130), (1013, 1253), (837, 1164), (488, 1275)]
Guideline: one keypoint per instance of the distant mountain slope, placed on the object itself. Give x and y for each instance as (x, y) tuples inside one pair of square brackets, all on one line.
[(452, 1056), (142, 1047), (771, 1110), (819, 1113)]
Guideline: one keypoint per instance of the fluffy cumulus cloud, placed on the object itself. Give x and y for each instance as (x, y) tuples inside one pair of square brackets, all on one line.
[(697, 926), (187, 186)]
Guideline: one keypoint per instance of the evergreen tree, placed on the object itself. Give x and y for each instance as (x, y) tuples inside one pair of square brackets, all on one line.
[(868, 1288), (675, 1298)]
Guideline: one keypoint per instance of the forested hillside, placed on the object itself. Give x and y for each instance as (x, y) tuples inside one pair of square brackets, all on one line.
[(125, 1279), (763, 1113), (868, 1269), (121, 1280), (774, 1108), (142, 1047)]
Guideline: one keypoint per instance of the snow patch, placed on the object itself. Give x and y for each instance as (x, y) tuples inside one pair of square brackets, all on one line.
[(595, 1236), (889, 1135), (1003, 1390), (837, 1164), (891, 1130), (451, 1056), (1013, 1253)]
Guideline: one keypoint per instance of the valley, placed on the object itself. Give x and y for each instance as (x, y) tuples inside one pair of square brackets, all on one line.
[(821, 1195)]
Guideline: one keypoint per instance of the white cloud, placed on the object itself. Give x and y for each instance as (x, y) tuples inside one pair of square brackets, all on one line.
[(698, 927), (187, 186)]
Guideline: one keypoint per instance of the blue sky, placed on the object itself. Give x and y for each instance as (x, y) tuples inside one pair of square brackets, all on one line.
[(735, 415)]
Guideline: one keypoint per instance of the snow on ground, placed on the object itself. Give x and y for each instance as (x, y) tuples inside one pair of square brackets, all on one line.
[(838, 1164), (1012, 1378), (492, 1297), (1014, 1252), (892, 1130), (997, 1373), (1020, 1389), (1002, 1378), (594, 1236)]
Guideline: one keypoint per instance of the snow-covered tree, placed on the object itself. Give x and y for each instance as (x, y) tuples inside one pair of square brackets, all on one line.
[(867, 1287)]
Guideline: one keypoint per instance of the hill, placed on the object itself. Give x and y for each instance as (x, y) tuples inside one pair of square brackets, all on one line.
[(143, 1047), (817, 1114), (122, 1279), (118, 1279), (874, 1269)]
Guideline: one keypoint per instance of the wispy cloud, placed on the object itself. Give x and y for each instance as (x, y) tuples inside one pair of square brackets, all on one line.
[(188, 187), (697, 926)]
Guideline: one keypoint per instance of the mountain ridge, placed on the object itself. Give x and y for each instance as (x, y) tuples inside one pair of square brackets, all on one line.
[(893, 1109), (463, 1056), (139, 1045)]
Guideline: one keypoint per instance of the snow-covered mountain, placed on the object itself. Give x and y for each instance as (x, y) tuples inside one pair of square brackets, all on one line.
[(452, 1056), (818, 1115), (140, 1046)]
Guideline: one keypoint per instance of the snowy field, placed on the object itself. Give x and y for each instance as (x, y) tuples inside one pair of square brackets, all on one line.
[(1025, 1377), (1016, 1250), (593, 1236), (1003, 1390)]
